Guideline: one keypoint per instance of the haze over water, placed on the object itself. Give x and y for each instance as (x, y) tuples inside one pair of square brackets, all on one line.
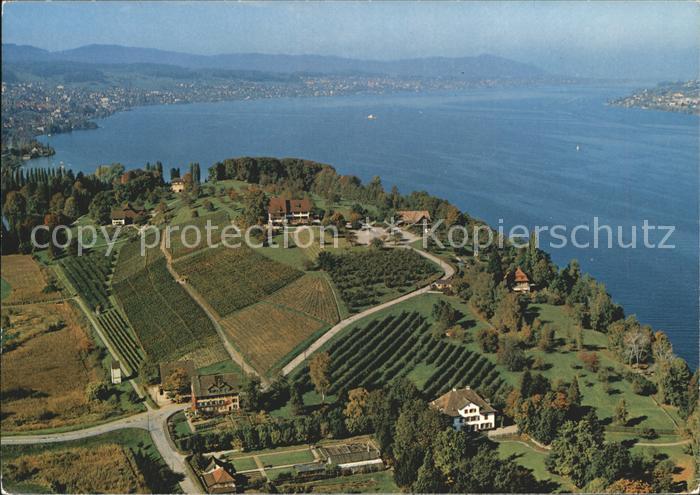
[(506, 154)]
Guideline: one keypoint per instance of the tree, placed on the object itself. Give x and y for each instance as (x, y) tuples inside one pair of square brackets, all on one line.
[(574, 393), (428, 478), (178, 381), (637, 341), (296, 400), (510, 354), (673, 381), (546, 340), (100, 208), (630, 486), (487, 339), (508, 316), (355, 412), (621, 414), (376, 243), (396, 236), (254, 207), (574, 451), (319, 371), (251, 391), (590, 360), (663, 476), (70, 208), (444, 314), (97, 391), (351, 237), (601, 309)]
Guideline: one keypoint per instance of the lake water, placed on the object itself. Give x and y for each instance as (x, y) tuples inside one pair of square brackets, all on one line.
[(507, 154)]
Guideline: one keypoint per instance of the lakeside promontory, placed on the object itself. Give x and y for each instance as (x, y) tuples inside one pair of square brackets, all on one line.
[(669, 97)]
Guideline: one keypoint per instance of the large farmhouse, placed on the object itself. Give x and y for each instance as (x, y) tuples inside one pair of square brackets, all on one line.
[(216, 394), (412, 218), (125, 215), (292, 211), (467, 409)]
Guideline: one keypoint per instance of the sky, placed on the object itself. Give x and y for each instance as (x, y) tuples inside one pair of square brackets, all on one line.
[(597, 39)]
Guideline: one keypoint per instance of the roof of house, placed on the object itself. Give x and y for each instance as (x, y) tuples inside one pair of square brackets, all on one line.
[(413, 216), (213, 385), (127, 211), (520, 276), (351, 452), (214, 464), (166, 369), (115, 365), (177, 180), (279, 206), (454, 400), (218, 476)]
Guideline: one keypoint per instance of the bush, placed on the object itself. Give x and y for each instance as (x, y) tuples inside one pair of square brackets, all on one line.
[(487, 339), (590, 361), (648, 433), (642, 386)]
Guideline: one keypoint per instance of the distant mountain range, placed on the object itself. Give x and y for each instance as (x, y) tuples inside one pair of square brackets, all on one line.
[(480, 67)]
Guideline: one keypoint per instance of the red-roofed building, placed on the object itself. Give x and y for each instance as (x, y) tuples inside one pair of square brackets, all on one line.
[(293, 211), (521, 282), (217, 477)]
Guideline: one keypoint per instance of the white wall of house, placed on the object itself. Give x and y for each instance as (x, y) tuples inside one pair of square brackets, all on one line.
[(472, 419)]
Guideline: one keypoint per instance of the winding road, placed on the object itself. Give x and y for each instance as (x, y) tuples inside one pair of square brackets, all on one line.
[(333, 331), (153, 420)]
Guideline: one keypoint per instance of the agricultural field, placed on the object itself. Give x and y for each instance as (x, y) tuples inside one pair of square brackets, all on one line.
[(89, 274), (265, 333), (120, 334), (120, 462), (48, 363), (399, 345), (311, 295), (179, 242), (167, 321), (372, 276), (24, 280), (230, 279)]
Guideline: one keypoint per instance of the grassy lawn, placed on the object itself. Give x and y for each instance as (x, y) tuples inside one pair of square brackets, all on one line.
[(245, 464), (182, 427), (534, 460), (421, 373), (285, 458), (644, 412)]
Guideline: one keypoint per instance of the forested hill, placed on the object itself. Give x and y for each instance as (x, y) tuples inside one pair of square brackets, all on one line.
[(479, 67)]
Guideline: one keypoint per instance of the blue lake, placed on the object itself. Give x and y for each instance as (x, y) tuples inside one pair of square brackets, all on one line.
[(534, 156)]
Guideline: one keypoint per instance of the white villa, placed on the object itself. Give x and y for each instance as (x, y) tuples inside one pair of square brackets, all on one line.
[(467, 410)]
